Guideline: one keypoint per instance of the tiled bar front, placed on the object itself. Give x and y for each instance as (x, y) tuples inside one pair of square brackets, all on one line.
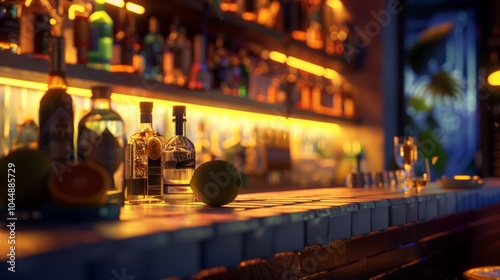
[(316, 233)]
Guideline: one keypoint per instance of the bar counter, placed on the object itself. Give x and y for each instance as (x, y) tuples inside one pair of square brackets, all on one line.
[(322, 233)]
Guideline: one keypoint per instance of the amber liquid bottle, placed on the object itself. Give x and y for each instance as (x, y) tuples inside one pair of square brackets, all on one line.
[(144, 160), (56, 113)]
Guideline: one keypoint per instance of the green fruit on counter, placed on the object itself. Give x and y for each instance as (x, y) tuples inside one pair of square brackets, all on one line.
[(216, 182), (24, 173)]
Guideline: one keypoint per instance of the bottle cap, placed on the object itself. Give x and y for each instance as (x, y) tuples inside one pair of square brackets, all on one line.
[(101, 92), (179, 111), (146, 107)]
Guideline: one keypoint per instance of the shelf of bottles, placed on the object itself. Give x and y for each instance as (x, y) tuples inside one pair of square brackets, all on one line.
[(294, 143)]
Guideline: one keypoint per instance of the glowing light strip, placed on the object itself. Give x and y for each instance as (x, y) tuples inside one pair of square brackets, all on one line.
[(209, 110), (304, 65), (135, 8), (73, 9), (118, 3), (277, 56)]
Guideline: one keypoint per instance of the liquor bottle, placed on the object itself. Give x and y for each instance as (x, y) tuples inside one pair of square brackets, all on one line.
[(348, 106), (56, 114), (101, 137), (180, 157), (218, 61), (34, 29), (153, 51), (81, 38), (199, 76), (144, 160), (9, 28), (101, 38), (245, 66), (177, 55), (125, 41)]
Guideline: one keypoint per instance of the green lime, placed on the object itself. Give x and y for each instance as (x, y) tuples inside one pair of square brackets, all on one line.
[(24, 176), (216, 182)]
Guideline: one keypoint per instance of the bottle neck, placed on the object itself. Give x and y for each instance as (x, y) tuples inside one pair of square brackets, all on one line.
[(101, 103), (57, 65), (180, 127), (146, 122)]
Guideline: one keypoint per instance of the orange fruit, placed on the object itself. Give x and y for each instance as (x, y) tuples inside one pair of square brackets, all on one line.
[(86, 184), (216, 182), (25, 172)]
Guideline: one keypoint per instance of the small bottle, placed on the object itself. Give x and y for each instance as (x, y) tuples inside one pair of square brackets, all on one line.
[(123, 48), (153, 51), (144, 160), (56, 113), (180, 157), (101, 137), (199, 76), (177, 55), (9, 28), (81, 38), (35, 29), (101, 38)]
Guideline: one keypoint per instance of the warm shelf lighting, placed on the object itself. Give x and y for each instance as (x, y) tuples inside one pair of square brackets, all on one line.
[(277, 56), (135, 8), (27, 3), (249, 16), (494, 78), (53, 21), (331, 74), (118, 3), (305, 66), (334, 4), (208, 110), (229, 7), (73, 9), (299, 35)]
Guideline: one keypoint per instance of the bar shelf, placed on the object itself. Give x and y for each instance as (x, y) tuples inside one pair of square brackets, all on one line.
[(27, 68)]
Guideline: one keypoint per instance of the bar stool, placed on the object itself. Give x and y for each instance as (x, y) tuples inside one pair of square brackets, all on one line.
[(483, 273)]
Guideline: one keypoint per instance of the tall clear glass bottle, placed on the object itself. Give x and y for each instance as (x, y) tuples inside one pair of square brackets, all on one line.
[(101, 137), (101, 38), (56, 113), (144, 160), (180, 156)]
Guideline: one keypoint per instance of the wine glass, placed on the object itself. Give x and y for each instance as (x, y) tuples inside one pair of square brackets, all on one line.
[(405, 154)]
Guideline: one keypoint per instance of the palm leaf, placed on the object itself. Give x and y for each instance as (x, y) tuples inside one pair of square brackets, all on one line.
[(444, 85), (426, 44)]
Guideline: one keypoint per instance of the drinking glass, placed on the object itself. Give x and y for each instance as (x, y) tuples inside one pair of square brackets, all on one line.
[(420, 175), (405, 154)]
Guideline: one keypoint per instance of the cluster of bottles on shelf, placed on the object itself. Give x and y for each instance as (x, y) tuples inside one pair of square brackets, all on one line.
[(95, 39), (324, 25)]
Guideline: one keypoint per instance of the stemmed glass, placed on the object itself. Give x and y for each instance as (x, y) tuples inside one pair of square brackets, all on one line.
[(405, 154)]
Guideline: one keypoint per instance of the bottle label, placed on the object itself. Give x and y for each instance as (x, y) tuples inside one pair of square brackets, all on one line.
[(56, 136), (103, 149), (155, 183), (180, 159)]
